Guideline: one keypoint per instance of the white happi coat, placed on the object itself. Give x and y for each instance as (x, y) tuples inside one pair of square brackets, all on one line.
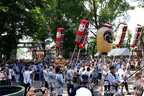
[(112, 80), (121, 76), (105, 77), (59, 81)]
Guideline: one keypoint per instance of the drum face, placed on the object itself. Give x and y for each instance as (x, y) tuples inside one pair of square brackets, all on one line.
[(104, 40)]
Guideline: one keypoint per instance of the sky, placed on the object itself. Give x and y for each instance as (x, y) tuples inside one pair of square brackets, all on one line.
[(136, 16)]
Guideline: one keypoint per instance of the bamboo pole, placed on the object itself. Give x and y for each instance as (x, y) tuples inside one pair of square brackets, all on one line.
[(73, 54), (96, 60), (129, 59), (114, 55), (78, 56), (102, 75), (142, 52), (56, 56), (58, 52)]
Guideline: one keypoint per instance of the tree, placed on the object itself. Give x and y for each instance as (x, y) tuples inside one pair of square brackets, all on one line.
[(41, 18), (142, 41), (91, 46), (102, 11), (140, 3), (127, 40), (16, 21), (60, 13)]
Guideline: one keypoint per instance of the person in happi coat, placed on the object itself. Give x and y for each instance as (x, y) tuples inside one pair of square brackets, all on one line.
[(89, 74), (82, 90), (51, 80), (33, 66), (17, 73), (123, 76), (105, 78), (69, 77), (113, 80), (59, 81), (99, 68)]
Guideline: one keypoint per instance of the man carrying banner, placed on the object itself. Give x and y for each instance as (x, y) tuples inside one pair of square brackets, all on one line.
[(123, 75), (114, 81)]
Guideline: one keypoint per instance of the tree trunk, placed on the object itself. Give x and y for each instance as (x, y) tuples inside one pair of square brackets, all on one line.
[(143, 51), (93, 53), (0, 55), (87, 50), (43, 46)]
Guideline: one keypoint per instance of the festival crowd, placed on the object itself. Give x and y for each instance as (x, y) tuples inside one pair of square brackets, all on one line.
[(86, 74)]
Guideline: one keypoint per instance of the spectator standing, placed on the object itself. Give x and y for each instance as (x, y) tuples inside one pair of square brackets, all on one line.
[(132, 65), (17, 73), (11, 75), (27, 79), (45, 76), (59, 81), (3, 77), (7, 72), (51, 80), (33, 66), (69, 77), (75, 74), (41, 76), (95, 77), (117, 66), (99, 68)]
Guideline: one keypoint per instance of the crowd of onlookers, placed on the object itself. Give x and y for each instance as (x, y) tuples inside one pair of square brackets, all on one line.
[(53, 77)]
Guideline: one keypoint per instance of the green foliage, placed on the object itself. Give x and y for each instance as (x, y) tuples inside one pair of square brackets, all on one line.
[(140, 3), (107, 11), (15, 21), (92, 49), (40, 19), (142, 37), (102, 11), (60, 13), (127, 40)]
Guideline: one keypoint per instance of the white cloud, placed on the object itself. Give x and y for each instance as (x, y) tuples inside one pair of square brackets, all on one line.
[(136, 17)]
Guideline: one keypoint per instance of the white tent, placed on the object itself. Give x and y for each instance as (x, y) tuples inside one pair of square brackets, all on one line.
[(118, 52)]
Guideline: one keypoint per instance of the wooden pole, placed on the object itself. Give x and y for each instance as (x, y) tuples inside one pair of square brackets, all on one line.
[(114, 55), (58, 52), (56, 56), (128, 63), (96, 60), (129, 59), (102, 75), (73, 54), (78, 56), (142, 52)]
